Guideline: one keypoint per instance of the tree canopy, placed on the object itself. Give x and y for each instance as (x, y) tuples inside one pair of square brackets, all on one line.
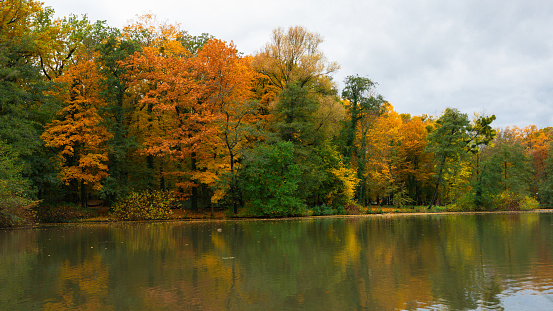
[(92, 112)]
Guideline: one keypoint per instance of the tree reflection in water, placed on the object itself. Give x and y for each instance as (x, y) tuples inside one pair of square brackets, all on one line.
[(460, 262)]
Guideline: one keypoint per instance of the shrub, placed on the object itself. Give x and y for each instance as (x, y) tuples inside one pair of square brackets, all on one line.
[(145, 205), (353, 208), (59, 213), (439, 209), (15, 190), (375, 210), (323, 210), (465, 203), (16, 211), (341, 210), (529, 203), (508, 200)]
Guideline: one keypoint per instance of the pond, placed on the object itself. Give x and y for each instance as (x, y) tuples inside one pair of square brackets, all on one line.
[(412, 262)]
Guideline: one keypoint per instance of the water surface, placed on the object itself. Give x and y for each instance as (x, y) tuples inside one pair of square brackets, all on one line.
[(428, 262)]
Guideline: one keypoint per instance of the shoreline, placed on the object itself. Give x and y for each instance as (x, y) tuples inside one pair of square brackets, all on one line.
[(105, 221)]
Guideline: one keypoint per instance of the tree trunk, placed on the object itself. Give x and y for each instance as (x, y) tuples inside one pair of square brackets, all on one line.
[(233, 185), (194, 198), (434, 197), (83, 194)]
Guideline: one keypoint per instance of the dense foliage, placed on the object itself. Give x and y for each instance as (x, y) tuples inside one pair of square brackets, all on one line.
[(91, 112), (145, 205)]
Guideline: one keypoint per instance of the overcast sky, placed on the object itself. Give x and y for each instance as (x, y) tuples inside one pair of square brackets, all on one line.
[(485, 57)]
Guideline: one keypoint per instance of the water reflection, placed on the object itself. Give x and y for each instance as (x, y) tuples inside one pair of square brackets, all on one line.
[(461, 262)]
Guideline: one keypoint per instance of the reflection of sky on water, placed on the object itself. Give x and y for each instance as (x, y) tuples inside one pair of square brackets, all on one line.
[(527, 300), (519, 300)]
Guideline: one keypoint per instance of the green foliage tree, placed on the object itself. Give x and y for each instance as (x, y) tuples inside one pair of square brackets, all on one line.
[(362, 100), (301, 121), (269, 180), (514, 165), (487, 184), (447, 142), (295, 110), (24, 104), (505, 172), (546, 187), (327, 180), (363, 105), (15, 190), (481, 134), (117, 114)]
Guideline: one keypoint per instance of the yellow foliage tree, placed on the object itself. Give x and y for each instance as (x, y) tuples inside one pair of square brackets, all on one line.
[(414, 167), (378, 146)]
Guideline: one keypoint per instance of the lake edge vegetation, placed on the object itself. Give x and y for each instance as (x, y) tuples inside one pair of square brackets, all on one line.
[(150, 119)]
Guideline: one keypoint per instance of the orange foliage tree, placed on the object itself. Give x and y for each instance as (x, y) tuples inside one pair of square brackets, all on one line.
[(78, 132), (228, 81), (199, 100)]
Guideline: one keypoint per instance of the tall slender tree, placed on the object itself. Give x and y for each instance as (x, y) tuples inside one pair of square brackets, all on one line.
[(361, 101), (448, 142)]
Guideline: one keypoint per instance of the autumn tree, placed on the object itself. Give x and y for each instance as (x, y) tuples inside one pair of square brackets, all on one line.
[(171, 82), (376, 159), (173, 98), (414, 165), (228, 86), (78, 133), (60, 39), (201, 102), (293, 55), (167, 38), (536, 142)]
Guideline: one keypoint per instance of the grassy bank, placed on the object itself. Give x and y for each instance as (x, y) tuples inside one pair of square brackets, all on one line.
[(68, 213)]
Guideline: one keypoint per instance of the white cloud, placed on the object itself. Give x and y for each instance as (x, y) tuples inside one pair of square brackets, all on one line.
[(477, 56)]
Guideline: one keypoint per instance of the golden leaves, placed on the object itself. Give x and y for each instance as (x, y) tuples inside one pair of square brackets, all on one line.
[(293, 55), (78, 132)]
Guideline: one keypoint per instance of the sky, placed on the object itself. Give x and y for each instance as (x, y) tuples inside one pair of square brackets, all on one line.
[(484, 57)]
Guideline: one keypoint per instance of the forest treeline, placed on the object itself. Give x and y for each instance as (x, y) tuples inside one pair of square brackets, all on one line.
[(93, 112)]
